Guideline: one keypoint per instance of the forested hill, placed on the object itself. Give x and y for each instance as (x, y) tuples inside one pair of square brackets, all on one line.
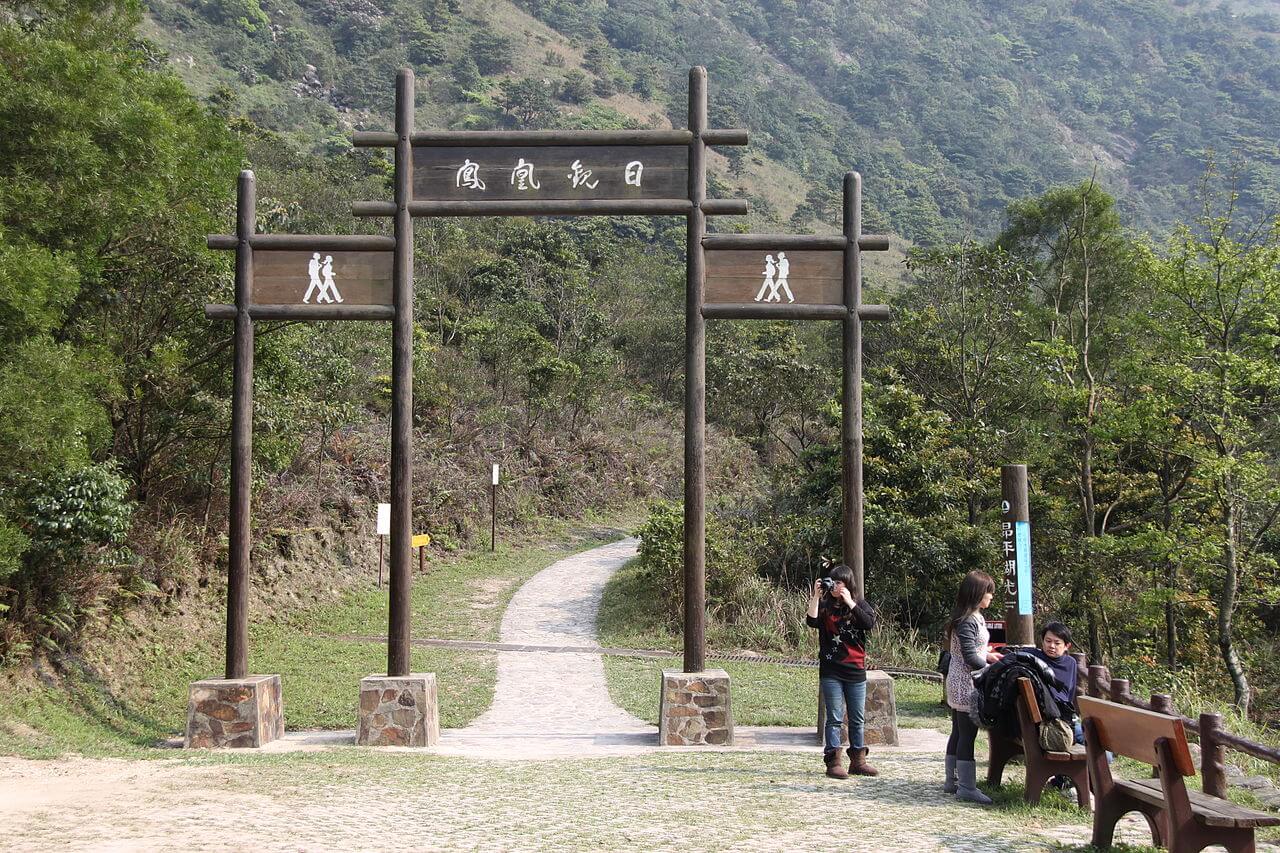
[(952, 108)]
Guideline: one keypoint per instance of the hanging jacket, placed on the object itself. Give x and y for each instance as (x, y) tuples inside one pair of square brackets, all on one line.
[(996, 691)]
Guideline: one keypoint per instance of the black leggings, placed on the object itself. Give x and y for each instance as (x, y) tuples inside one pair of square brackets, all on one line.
[(963, 733)]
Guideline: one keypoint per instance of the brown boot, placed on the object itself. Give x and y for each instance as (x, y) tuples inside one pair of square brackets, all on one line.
[(835, 769), (858, 765)]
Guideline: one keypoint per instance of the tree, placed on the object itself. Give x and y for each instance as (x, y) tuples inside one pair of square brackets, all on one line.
[(527, 101), (1218, 318), (490, 51), (970, 302), (1071, 239)]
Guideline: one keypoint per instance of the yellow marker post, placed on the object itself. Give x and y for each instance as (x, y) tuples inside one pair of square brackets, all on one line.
[(421, 541)]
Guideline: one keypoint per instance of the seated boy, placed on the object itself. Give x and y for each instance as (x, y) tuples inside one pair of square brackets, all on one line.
[(1055, 642)]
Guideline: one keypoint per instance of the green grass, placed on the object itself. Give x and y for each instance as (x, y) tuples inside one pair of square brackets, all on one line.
[(143, 702)]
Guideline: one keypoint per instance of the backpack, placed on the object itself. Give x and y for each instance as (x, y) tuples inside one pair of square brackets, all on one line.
[(1056, 735)]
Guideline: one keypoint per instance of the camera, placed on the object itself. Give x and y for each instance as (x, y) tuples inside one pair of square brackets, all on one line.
[(827, 584)]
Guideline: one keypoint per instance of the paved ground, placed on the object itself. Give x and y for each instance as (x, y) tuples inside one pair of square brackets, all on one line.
[(536, 772)]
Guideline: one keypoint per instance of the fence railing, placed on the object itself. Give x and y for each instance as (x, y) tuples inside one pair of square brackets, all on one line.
[(1214, 739)]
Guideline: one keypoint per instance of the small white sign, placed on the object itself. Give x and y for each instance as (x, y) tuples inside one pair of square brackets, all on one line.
[(495, 473), (384, 519)]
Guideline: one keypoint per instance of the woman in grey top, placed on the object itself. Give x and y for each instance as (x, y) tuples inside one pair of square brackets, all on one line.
[(967, 639)]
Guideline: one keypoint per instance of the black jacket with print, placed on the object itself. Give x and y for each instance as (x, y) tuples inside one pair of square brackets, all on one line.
[(842, 638)]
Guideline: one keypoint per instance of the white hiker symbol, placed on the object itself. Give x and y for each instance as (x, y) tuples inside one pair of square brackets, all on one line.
[(769, 270), (313, 271), (784, 271), (329, 290)]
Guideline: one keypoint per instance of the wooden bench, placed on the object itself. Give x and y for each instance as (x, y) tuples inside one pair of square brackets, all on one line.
[(1041, 765), (1181, 820)]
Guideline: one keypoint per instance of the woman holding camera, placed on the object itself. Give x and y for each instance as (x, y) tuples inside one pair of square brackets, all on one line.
[(843, 624), (967, 638)]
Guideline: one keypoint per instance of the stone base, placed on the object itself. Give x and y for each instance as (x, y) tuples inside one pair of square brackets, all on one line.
[(695, 709), (879, 715), (234, 712), (399, 710)]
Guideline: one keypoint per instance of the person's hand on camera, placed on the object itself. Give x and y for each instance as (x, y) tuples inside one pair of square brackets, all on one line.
[(817, 589), (846, 596)]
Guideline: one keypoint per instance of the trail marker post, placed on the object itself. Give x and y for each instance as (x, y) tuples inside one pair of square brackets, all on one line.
[(493, 505), (815, 277), (384, 530), (1015, 554), (277, 277)]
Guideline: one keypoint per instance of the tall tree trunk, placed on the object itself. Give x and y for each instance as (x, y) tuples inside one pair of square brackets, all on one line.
[(1227, 605)]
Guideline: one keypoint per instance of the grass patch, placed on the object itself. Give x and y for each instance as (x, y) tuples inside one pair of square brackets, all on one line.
[(142, 702)]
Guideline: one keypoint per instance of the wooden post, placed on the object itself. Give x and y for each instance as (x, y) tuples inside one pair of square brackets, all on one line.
[(1015, 524), (239, 541), (1213, 756), (1081, 666), (851, 387), (1162, 703), (381, 543), (493, 518), (695, 385), (398, 626), (1097, 672), (1120, 690)]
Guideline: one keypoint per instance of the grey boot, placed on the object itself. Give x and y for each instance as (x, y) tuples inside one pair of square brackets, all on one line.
[(967, 789), (949, 781)]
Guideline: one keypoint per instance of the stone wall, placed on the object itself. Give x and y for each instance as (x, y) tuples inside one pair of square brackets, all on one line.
[(234, 712), (695, 709)]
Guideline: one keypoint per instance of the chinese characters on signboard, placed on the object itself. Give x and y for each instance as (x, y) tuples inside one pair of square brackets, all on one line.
[(551, 172), (1015, 554)]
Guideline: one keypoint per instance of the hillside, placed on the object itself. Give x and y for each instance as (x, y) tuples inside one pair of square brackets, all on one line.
[(952, 108)]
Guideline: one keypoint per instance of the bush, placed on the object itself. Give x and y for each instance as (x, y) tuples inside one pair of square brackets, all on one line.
[(733, 587)]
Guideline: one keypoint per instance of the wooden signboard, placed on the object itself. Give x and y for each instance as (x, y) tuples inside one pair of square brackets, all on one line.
[(565, 172), (321, 278), (784, 277)]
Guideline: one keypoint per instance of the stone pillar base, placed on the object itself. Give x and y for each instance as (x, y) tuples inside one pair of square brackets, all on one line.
[(879, 715), (234, 712), (399, 710), (695, 709)]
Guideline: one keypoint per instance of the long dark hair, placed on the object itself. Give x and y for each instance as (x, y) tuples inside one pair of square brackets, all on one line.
[(844, 574), (974, 586)]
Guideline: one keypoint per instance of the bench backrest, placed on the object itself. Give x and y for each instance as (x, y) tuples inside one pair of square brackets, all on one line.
[(1133, 732), (1029, 700)]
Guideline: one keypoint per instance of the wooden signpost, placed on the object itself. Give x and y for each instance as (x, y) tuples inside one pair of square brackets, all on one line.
[(1015, 544), (808, 277), (278, 277)]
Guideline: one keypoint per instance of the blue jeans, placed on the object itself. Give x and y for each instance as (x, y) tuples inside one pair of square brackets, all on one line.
[(838, 695)]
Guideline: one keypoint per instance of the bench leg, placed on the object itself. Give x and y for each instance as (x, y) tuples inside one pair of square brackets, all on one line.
[(1108, 811), (1002, 749), (1195, 838), (1106, 814), (1038, 777), (1080, 778)]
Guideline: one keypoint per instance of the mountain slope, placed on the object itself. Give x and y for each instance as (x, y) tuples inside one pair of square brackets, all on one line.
[(951, 108)]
